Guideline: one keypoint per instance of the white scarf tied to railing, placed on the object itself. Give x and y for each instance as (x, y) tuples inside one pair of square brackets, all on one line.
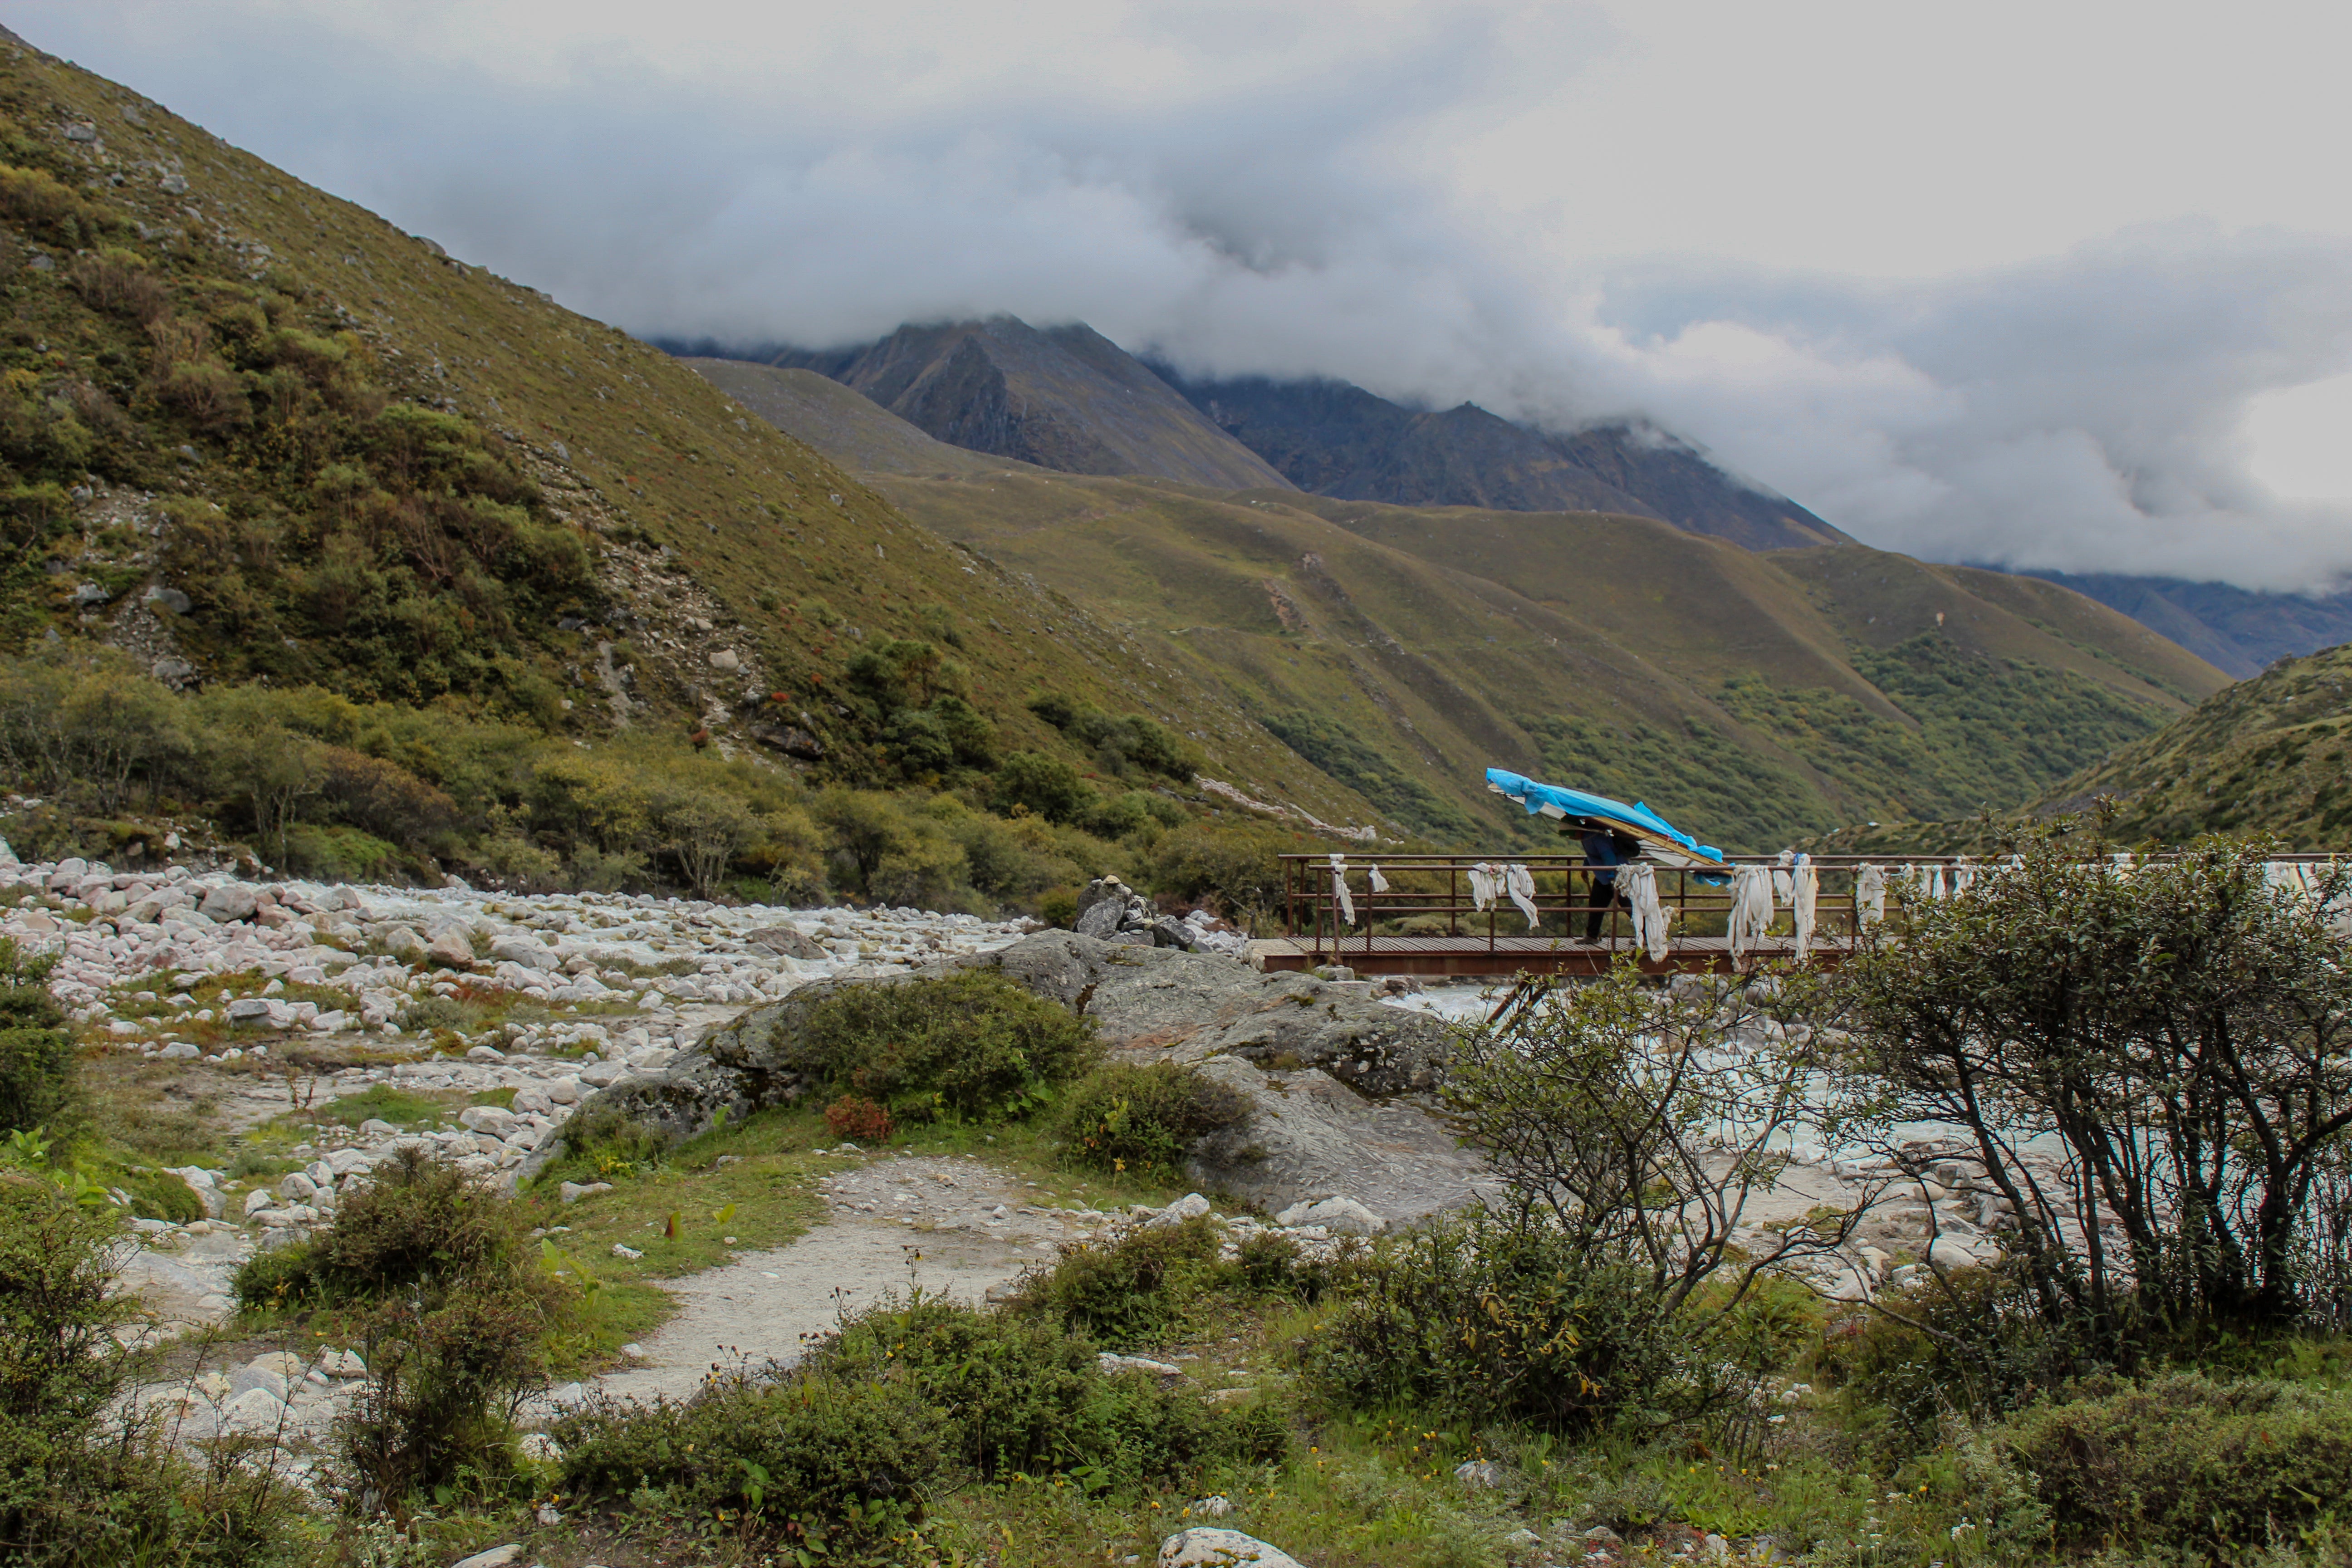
[(1379, 883), (1869, 895), (1486, 883), (1521, 883), (1339, 890), (1752, 908), (1640, 885), (1805, 887)]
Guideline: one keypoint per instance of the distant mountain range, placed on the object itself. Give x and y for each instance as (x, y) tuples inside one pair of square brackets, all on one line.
[(1068, 399), (1334, 439), (2235, 629)]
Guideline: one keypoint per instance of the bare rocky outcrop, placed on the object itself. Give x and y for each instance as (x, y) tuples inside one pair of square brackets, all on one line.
[(1308, 1137), (1321, 1064)]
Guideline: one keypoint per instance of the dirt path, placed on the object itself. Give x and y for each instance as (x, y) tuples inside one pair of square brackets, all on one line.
[(971, 1227)]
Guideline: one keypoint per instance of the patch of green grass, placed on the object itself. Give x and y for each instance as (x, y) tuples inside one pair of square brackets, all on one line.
[(383, 1103)]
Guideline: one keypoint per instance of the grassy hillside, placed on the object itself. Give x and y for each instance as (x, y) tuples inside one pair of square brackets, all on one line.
[(1753, 699), (2272, 753), (252, 437)]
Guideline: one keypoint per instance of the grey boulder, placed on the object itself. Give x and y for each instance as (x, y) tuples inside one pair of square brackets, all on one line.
[(1204, 1546), (1308, 1136), (230, 901)]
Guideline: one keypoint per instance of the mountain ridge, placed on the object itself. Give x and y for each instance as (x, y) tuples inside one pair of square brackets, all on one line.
[(1063, 397), (1758, 696), (1336, 439)]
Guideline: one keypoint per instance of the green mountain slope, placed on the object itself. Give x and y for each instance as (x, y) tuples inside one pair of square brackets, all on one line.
[(2272, 753), (251, 432), (1722, 687), (1755, 698)]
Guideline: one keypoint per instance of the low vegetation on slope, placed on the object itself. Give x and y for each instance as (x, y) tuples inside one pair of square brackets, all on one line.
[(464, 546), (2270, 755), (1753, 699)]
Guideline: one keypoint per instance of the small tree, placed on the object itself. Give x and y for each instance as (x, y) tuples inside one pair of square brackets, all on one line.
[(2178, 1029), (1608, 1282), (249, 746), (706, 830), (1641, 1123)]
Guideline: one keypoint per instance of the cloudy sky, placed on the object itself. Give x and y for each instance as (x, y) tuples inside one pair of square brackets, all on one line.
[(2047, 285)]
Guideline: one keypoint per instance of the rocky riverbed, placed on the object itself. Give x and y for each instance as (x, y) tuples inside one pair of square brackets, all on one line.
[(673, 1008)]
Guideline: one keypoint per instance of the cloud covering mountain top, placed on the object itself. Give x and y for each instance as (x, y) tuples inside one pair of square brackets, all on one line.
[(1995, 285)]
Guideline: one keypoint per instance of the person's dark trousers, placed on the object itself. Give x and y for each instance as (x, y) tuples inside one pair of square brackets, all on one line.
[(1604, 895)]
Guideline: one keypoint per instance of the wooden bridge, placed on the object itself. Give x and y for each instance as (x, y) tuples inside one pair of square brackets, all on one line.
[(1428, 923)]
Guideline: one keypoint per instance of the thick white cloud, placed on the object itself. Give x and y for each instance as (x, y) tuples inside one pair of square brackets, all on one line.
[(2000, 286)]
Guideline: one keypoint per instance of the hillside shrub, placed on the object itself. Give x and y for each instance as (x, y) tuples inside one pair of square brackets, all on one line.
[(1609, 1286), (417, 1223), (2063, 998), (74, 1489), (1234, 869), (1033, 781), (1489, 1319), (1969, 1347), (971, 1046), (1126, 1289), (1022, 1395), (823, 1463), (2212, 1469), (1142, 1119), (36, 1054), (458, 1316), (851, 1117)]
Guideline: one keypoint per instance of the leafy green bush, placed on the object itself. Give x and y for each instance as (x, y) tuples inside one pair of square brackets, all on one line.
[(1971, 1345), (1033, 781), (602, 1140), (36, 1054), (971, 1046), (418, 1222), (1142, 1119), (448, 1370), (159, 1194), (73, 1489), (459, 1314), (1486, 1320), (813, 1460), (2062, 994), (2182, 1461), (1022, 1395), (910, 1394), (1129, 1288)]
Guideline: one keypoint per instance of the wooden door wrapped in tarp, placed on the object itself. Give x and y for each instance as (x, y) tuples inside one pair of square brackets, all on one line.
[(1662, 842)]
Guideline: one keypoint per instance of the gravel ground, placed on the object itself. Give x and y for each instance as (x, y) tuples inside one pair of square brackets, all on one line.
[(954, 1227)]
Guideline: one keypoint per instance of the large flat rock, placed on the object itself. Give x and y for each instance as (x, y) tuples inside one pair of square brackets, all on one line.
[(1308, 1136)]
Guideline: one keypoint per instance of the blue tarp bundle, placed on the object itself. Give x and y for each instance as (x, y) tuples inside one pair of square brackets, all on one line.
[(1672, 848)]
